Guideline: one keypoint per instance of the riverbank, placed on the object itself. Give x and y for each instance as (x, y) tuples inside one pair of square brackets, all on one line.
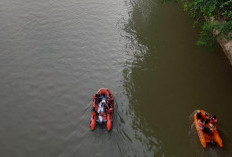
[(227, 47), (216, 20)]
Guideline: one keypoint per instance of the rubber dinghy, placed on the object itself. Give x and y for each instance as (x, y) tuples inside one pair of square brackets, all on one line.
[(206, 128), (102, 109)]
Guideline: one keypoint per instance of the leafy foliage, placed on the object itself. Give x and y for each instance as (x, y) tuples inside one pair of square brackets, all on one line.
[(216, 15)]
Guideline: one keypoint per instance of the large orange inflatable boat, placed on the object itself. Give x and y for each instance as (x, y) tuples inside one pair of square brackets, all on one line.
[(102, 109), (206, 128)]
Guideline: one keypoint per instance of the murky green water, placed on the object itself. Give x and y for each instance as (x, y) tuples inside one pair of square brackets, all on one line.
[(54, 55)]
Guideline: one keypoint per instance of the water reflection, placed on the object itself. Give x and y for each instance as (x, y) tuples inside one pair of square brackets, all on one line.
[(137, 30)]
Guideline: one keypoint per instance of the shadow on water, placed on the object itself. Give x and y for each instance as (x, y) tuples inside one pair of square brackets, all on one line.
[(139, 45), (168, 76)]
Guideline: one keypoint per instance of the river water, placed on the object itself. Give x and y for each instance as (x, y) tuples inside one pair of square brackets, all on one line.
[(55, 55)]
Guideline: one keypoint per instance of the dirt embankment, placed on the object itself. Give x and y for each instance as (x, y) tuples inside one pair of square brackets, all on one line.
[(225, 44), (227, 47)]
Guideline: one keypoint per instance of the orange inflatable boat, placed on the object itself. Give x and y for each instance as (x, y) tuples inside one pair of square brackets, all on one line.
[(206, 128), (102, 109)]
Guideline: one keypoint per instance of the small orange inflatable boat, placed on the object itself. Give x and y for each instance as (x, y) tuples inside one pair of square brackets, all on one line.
[(102, 109), (206, 128)]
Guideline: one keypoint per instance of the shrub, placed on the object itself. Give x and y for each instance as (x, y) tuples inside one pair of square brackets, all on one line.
[(205, 11)]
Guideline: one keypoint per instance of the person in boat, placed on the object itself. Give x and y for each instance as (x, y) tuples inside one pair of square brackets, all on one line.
[(201, 123), (98, 101), (97, 98), (212, 122), (199, 116), (101, 106), (102, 97), (102, 109), (213, 119), (212, 126), (207, 127)]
